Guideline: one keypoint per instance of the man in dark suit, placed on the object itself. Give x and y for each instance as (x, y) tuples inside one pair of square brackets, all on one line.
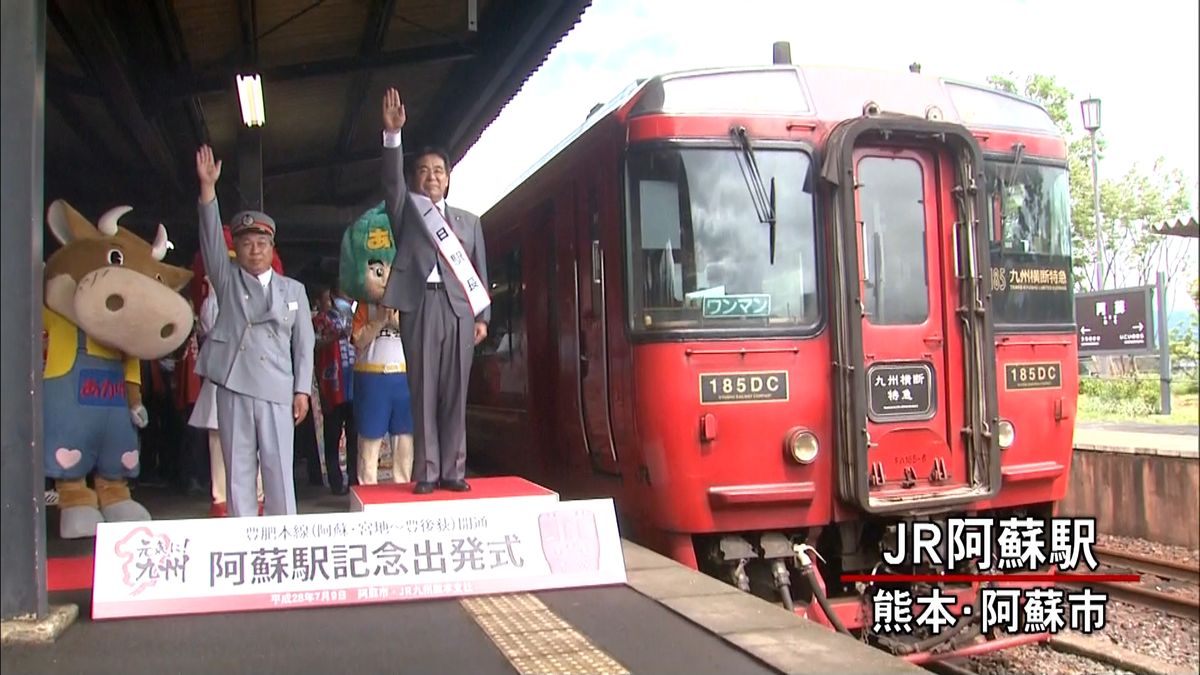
[(438, 283)]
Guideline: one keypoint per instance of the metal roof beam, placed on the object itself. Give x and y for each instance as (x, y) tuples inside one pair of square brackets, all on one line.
[(379, 22), (500, 59), (91, 40), (220, 82), (248, 22), (76, 84), (325, 162), (164, 11)]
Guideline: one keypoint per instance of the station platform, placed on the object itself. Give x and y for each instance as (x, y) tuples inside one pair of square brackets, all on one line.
[(667, 618), (1138, 439), (1155, 467)]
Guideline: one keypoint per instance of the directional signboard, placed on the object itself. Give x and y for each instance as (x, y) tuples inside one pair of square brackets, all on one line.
[(1115, 322)]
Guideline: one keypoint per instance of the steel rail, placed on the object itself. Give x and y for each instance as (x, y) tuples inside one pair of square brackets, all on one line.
[(1136, 562), (1175, 605)]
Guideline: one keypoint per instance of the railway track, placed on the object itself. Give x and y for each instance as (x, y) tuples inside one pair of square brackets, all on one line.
[(949, 668), (1176, 605), (1139, 594), (1165, 569)]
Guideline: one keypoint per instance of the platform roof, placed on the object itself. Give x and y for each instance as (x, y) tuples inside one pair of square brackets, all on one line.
[(132, 88), (1180, 227)]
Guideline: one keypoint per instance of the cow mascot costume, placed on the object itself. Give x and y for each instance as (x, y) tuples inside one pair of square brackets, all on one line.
[(109, 302), (381, 398), (204, 414)]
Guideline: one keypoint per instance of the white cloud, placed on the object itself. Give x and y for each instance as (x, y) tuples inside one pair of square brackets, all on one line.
[(1143, 62)]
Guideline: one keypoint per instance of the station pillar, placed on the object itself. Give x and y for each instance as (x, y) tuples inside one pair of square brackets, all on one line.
[(23, 555)]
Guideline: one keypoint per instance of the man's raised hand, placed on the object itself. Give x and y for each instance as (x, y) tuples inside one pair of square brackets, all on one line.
[(208, 171), (393, 111)]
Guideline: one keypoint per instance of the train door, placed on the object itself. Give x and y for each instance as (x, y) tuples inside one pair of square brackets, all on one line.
[(914, 355), (554, 226), (540, 368), (906, 318), (592, 325)]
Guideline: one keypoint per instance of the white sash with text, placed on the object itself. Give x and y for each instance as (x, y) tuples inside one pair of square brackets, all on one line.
[(453, 253)]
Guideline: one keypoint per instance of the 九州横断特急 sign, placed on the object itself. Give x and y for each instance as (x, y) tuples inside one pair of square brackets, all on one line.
[(429, 550)]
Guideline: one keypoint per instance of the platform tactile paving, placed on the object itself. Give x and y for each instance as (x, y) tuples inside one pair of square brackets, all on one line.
[(536, 640)]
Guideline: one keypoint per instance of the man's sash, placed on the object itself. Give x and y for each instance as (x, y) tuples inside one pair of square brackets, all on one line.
[(452, 253)]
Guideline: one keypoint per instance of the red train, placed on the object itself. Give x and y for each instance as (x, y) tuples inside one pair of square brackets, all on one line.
[(768, 306)]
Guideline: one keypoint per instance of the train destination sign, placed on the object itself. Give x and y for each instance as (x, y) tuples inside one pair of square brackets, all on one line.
[(900, 391), (737, 306), (744, 387), (1030, 279), (1032, 376), (1115, 322)]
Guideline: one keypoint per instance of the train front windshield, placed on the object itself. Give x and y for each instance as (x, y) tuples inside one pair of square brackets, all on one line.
[(698, 255), (1030, 224)]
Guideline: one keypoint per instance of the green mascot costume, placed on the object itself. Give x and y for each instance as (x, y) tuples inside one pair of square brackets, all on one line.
[(382, 404)]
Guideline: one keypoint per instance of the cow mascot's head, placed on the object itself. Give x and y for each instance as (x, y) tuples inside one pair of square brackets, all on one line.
[(109, 302), (366, 257)]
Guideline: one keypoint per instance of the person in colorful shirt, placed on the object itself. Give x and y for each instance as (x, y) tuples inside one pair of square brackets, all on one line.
[(335, 367)]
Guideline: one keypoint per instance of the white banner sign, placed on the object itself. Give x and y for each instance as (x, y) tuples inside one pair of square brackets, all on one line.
[(427, 550)]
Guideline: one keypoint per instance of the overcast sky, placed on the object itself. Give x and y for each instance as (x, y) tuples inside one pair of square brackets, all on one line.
[(1141, 59)]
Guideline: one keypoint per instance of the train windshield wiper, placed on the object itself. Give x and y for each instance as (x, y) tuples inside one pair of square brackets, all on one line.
[(1018, 155), (764, 200)]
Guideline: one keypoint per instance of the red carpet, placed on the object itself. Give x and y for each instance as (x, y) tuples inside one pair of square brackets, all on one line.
[(491, 487), (68, 574)]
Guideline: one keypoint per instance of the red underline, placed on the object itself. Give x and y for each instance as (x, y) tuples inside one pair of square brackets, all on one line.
[(980, 578)]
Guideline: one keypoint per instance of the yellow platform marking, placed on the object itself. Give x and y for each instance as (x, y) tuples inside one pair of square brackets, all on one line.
[(535, 639)]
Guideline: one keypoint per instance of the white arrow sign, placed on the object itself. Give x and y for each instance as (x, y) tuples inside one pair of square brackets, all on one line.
[(1084, 330), (1139, 326)]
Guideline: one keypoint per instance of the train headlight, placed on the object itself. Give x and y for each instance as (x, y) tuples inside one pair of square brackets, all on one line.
[(801, 445), (1005, 433)]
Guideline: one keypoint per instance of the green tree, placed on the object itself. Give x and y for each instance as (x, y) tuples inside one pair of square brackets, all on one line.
[(1133, 203), (1055, 98), (1185, 351), (1129, 205)]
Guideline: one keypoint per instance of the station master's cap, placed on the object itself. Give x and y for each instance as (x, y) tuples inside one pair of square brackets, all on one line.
[(247, 222)]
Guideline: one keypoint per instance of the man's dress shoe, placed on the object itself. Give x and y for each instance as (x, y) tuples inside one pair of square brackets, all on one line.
[(456, 485), (423, 488)]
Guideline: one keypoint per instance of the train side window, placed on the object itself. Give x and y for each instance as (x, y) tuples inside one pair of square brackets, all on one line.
[(508, 313), (661, 241), (1029, 217), (892, 214), (697, 255)]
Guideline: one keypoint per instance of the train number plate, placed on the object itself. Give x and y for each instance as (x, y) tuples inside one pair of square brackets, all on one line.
[(744, 387), (900, 391), (1033, 376)]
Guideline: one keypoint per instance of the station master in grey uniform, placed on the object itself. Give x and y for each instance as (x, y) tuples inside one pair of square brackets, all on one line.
[(259, 354)]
